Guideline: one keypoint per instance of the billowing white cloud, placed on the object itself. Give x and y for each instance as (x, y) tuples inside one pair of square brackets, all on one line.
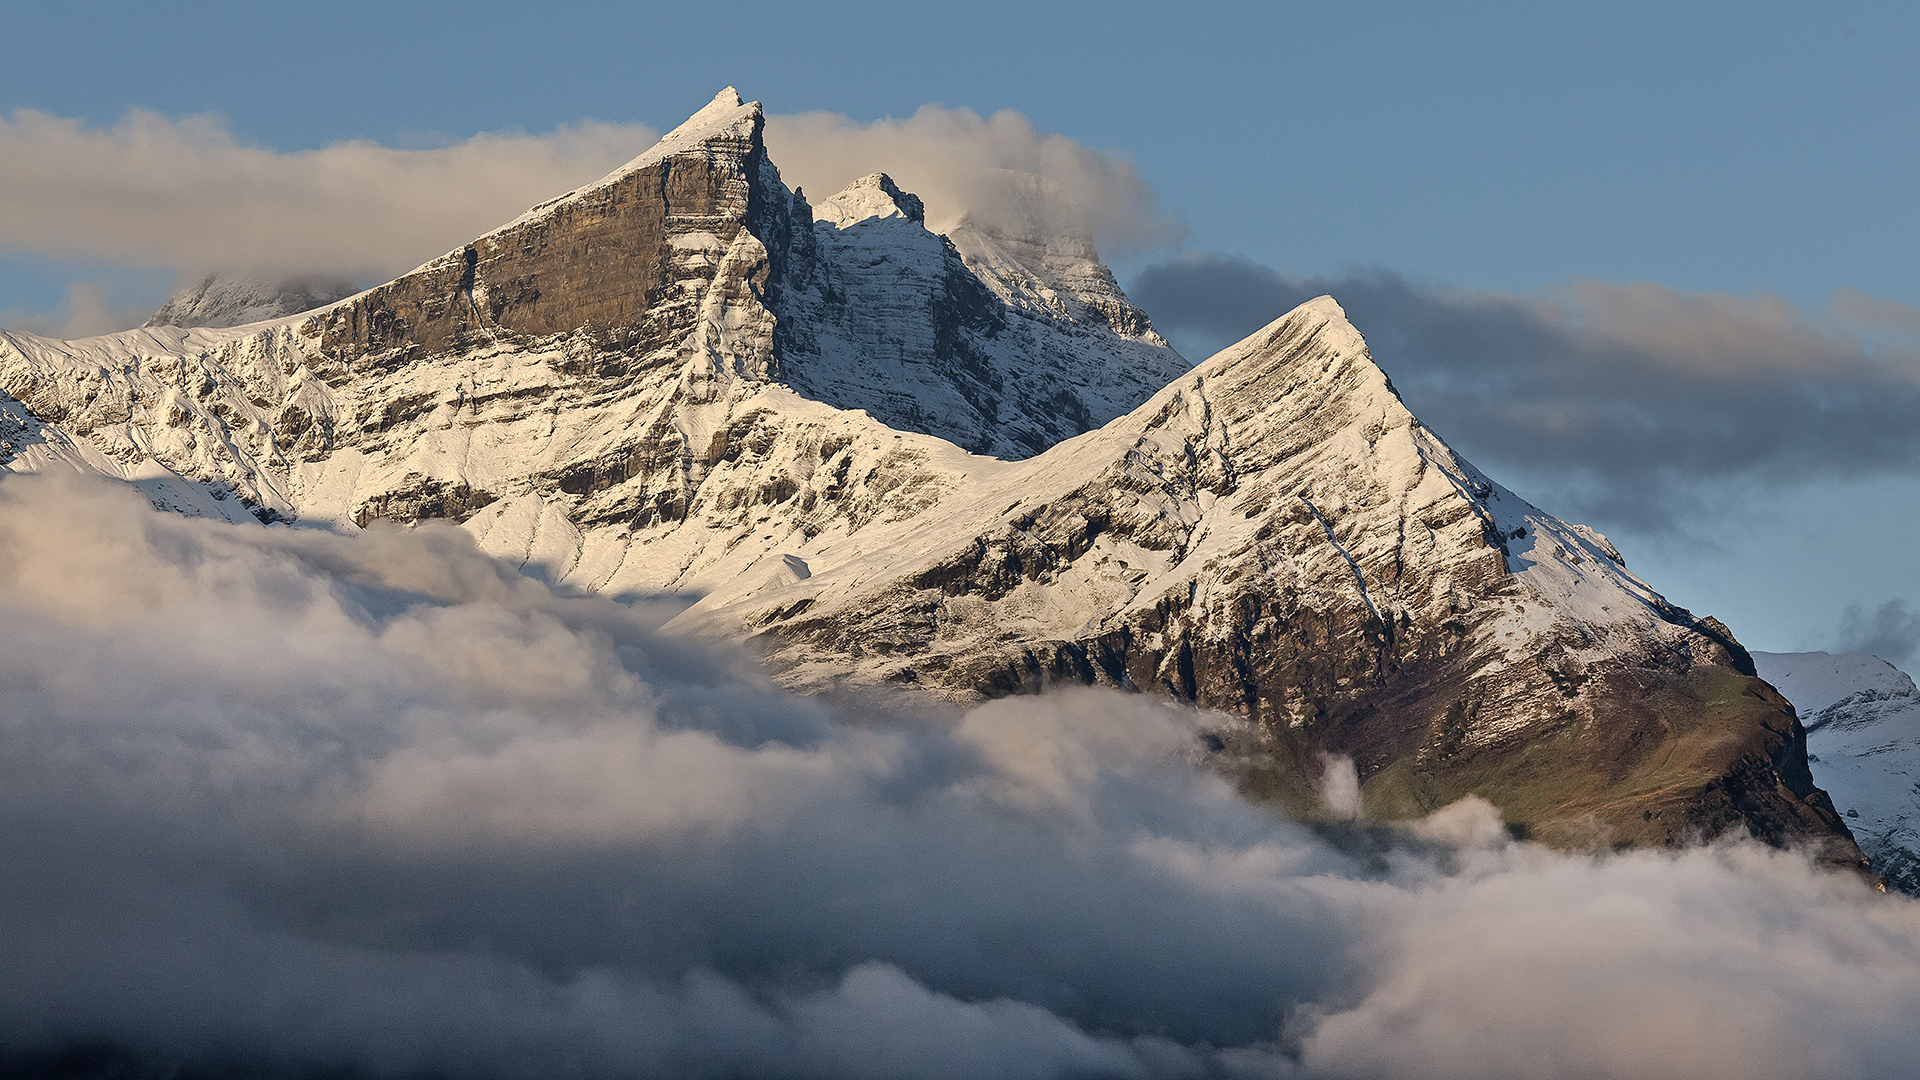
[(958, 161), (186, 193), (276, 800)]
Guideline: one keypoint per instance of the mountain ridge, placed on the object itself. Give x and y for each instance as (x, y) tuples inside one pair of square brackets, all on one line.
[(678, 380)]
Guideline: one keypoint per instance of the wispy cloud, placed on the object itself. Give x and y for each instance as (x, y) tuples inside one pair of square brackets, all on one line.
[(1625, 400), (1890, 631), (87, 310), (283, 801)]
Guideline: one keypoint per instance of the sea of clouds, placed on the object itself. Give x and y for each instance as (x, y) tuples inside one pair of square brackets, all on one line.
[(275, 801)]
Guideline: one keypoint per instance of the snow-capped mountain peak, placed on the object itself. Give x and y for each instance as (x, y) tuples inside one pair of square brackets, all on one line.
[(1862, 716), (726, 120), (225, 299), (872, 196)]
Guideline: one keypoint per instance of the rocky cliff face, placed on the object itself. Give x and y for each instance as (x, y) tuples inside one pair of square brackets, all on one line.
[(1003, 346), (626, 262), (685, 379)]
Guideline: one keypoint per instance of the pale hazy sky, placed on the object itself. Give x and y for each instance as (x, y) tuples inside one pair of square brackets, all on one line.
[(1514, 167)]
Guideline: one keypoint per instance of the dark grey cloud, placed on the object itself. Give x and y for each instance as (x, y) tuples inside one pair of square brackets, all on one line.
[(1625, 403), (291, 803), (1890, 631)]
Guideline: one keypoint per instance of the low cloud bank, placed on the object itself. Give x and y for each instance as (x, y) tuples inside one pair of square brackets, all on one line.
[(1622, 402), (276, 800)]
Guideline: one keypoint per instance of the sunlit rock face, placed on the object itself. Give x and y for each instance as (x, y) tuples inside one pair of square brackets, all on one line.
[(964, 463)]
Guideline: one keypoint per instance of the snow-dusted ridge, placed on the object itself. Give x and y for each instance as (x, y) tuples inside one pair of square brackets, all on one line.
[(1863, 736), (678, 379)]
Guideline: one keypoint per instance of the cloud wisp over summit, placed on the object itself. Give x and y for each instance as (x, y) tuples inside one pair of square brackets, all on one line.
[(957, 161), (278, 799)]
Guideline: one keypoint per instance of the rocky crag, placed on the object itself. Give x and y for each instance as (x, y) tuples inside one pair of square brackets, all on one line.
[(960, 462)]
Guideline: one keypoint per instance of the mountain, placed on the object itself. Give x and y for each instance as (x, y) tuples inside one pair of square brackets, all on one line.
[(228, 299), (1862, 716), (960, 462)]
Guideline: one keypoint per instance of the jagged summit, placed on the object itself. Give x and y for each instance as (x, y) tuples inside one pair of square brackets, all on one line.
[(872, 196), (715, 115), (725, 119)]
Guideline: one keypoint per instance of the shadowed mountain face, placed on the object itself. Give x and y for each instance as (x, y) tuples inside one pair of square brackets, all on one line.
[(683, 379)]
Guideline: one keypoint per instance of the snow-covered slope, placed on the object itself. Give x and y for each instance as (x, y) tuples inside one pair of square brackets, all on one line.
[(1273, 535), (679, 379), (229, 299), (1862, 716)]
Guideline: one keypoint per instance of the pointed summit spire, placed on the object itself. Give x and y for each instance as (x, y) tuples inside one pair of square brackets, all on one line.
[(596, 256), (872, 196), (725, 117), (723, 111)]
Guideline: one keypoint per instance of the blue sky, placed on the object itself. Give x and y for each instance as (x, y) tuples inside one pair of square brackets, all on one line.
[(1539, 154)]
